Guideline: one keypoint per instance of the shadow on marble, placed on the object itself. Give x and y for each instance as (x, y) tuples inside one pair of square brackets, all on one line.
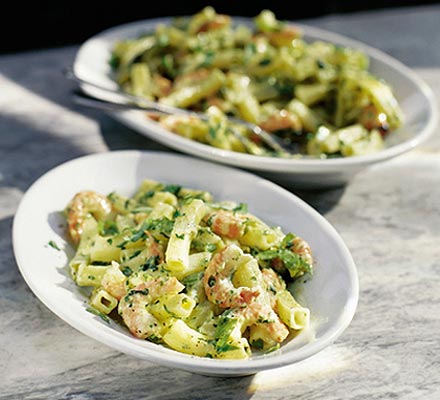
[(116, 376), (119, 137), (45, 78), (322, 200), (30, 152)]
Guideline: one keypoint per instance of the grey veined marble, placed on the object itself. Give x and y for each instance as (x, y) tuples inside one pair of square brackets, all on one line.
[(389, 217)]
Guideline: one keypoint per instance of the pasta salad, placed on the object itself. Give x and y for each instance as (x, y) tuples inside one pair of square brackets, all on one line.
[(177, 268), (318, 98)]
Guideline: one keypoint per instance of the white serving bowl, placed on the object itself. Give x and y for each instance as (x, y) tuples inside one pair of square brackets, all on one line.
[(416, 99), (331, 294)]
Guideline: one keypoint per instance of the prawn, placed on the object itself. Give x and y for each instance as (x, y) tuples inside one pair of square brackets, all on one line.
[(248, 305), (372, 118), (274, 283), (226, 223), (114, 280), (217, 281), (284, 37), (133, 307), (302, 248), (263, 314), (155, 249), (80, 207), (281, 120)]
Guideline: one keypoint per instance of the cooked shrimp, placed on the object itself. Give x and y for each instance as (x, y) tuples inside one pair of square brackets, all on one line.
[(114, 280), (220, 21), (155, 249), (298, 246), (226, 223), (132, 307), (190, 78), (264, 315), (80, 207), (161, 85), (302, 248), (139, 321), (259, 312), (285, 36), (372, 118), (273, 283), (217, 279), (280, 120)]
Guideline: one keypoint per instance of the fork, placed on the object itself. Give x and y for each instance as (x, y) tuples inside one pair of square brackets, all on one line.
[(131, 102)]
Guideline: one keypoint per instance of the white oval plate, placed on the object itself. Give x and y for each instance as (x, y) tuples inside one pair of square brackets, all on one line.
[(415, 97), (331, 294)]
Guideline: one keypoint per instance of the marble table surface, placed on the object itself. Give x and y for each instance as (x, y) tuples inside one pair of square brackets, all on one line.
[(388, 215)]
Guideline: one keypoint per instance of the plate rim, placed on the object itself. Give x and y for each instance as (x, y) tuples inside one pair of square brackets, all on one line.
[(272, 164), (116, 340)]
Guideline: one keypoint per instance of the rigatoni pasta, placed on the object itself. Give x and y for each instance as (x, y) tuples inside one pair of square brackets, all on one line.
[(178, 268)]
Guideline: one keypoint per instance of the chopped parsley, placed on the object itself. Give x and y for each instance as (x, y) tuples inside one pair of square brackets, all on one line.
[(223, 332), (127, 271), (293, 262), (98, 313), (174, 189), (211, 247), (241, 208), (52, 244), (151, 263), (107, 228), (258, 344)]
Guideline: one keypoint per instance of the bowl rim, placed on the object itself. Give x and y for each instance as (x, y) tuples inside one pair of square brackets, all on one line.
[(274, 164), (119, 341)]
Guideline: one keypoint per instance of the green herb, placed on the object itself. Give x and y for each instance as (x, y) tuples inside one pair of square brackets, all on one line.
[(320, 64), (98, 313), (211, 281), (265, 61), (106, 228), (169, 312), (242, 208), (181, 236), (139, 210), (122, 244), (211, 247), (192, 279), (209, 58), (155, 339), (294, 263), (99, 263), (162, 40), (53, 245), (147, 195), (114, 61), (134, 291), (151, 263), (174, 189), (258, 344), (212, 131), (127, 271), (273, 348), (162, 225), (135, 254), (168, 64), (223, 332)]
